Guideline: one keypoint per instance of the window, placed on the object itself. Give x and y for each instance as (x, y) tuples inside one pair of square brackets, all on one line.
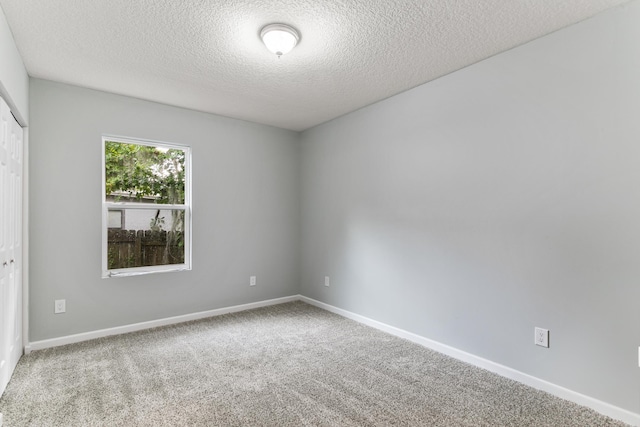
[(146, 207)]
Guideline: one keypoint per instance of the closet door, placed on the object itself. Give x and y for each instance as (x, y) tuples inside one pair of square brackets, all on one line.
[(10, 244)]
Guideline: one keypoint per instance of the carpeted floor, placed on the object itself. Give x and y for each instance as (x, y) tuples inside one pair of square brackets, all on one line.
[(285, 365)]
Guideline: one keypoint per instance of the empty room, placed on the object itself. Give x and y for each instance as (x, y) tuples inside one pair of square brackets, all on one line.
[(319, 213)]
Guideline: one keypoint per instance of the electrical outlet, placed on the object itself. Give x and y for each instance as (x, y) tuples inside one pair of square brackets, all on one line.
[(252, 281), (327, 281), (542, 337), (60, 306)]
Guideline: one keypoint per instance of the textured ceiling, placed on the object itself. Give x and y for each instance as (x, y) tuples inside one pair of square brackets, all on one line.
[(207, 55)]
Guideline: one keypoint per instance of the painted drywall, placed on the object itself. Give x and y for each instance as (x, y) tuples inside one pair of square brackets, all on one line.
[(245, 212), (14, 81), (496, 199)]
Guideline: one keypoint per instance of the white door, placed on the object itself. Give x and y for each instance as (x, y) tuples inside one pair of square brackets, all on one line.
[(10, 244)]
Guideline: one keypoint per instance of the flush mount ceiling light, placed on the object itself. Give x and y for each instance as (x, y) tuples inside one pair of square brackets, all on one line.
[(279, 38)]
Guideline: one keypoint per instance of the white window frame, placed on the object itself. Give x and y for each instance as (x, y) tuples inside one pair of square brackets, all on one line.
[(135, 271)]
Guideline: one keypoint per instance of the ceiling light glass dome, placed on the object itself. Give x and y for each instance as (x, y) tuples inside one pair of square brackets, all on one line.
[(279, 38)]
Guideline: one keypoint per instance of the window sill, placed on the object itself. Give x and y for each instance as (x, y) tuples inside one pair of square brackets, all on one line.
[(129, 272)]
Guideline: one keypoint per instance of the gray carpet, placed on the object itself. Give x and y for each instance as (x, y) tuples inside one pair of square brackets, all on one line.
[(286, 365)]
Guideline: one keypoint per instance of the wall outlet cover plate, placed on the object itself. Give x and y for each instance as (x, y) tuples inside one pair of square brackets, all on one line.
[(60, 306), (542, 337)]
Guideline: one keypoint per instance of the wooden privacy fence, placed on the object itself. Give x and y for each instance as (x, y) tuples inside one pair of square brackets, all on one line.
[(137, 248)]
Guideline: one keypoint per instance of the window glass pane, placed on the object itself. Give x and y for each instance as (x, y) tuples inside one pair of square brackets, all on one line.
[(148, 237), (144, 173)]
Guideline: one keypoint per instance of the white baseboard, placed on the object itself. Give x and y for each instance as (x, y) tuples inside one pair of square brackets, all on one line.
[(85, 336), (556, 390)]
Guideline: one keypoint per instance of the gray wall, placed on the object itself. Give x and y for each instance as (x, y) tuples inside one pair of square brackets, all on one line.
[(499, 198), (245, 211), (14, 81)]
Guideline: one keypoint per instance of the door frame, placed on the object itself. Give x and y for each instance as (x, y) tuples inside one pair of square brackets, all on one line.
[(26, 347)]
